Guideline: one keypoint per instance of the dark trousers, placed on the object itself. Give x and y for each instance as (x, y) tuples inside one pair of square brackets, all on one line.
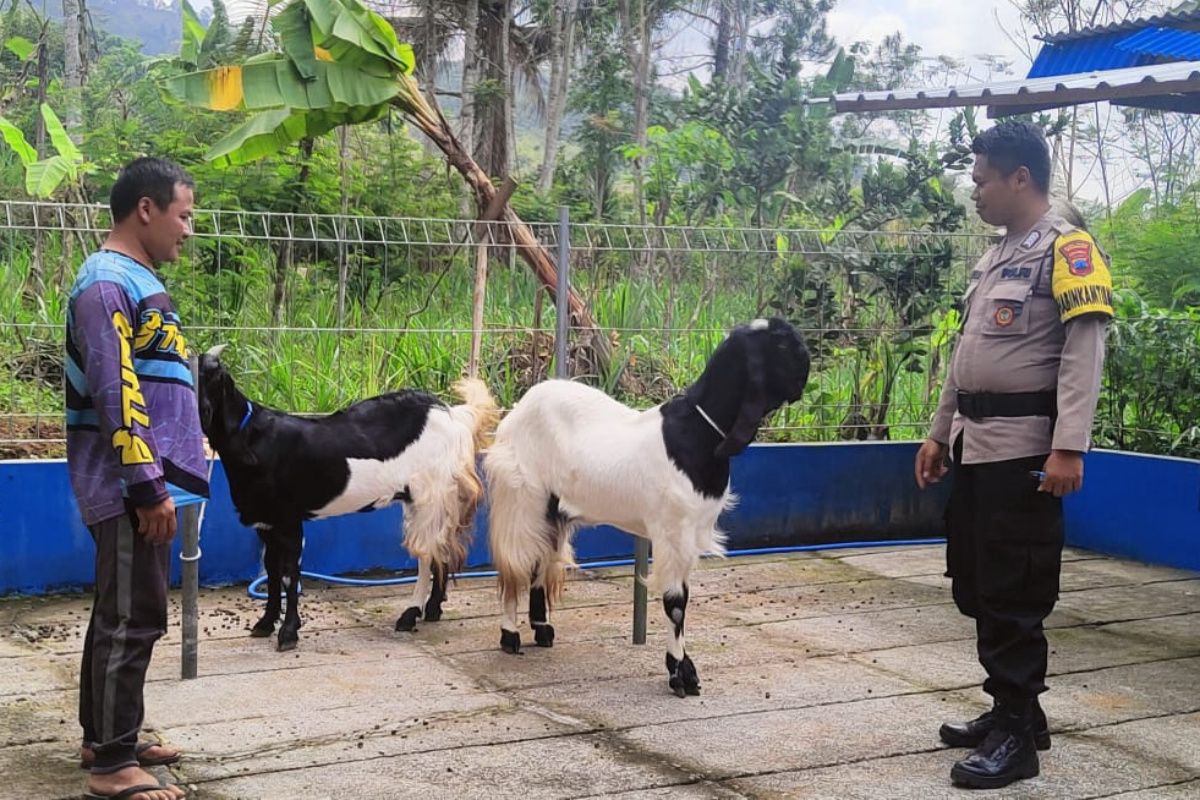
[(129, 614), (1004, 543)]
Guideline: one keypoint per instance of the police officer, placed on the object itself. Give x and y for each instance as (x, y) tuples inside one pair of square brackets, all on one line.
[(1015, 417)]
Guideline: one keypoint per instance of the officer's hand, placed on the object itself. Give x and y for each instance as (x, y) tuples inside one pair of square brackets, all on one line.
[(931, 463), (1064, 473), (157, 523)]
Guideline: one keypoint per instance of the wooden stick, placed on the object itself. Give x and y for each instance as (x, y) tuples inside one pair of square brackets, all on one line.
[(494, 208)]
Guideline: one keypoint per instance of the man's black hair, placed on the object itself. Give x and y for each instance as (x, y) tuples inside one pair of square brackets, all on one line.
[(155, 178), (1011, 145)]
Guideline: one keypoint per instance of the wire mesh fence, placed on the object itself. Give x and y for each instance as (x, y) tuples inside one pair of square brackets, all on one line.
[(321, 310)]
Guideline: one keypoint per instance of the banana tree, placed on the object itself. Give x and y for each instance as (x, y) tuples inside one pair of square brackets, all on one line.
[(44, 178), (341, 64)]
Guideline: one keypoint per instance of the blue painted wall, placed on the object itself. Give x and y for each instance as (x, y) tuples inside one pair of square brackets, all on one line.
[(1141, 507), (1136, 506)]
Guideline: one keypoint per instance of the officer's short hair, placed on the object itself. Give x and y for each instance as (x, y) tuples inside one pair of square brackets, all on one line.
[(1011, 145), (155, 178)]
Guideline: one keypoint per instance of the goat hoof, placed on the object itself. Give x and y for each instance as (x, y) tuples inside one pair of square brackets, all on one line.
[(408, 620), (433, 613), (543, 635), (684, 680), (285, 642), (262, 629), (510, 642)]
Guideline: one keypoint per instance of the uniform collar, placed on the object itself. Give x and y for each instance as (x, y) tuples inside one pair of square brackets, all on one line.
[(1036, 237)]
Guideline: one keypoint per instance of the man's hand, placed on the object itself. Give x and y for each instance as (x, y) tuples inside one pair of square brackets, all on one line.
[(157, 523), (931, 463), (1064, 473)]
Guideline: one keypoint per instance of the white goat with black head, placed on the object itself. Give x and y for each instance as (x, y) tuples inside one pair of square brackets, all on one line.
[(569, 456), (406, 447)]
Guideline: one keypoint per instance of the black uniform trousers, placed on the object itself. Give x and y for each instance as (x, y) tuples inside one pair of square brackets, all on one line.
[(1004, 543), (129, 614)]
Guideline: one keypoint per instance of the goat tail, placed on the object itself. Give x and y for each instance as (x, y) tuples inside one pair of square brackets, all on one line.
[(478, 412), (554, 570), (517, 524), (469, 489)]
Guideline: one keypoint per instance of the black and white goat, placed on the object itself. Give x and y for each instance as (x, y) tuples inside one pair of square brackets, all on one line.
[(405, 446), (568, 456)]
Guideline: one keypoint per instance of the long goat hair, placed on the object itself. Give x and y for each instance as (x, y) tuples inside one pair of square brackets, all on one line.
[(405, 446), (568, 456)]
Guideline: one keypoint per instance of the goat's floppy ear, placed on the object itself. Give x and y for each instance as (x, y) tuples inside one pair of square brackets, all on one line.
[(754, 401)]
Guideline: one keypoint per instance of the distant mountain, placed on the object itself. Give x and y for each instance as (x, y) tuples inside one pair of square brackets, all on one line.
[(154, 23)]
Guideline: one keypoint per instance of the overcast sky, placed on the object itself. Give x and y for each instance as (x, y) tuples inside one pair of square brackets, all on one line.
[(965, 29)]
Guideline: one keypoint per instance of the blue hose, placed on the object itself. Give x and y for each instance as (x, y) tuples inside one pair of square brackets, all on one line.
[(254, 592)]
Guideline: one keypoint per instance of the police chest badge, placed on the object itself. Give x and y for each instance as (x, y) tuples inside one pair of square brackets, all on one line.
[(1005, 315), (1078, 255)]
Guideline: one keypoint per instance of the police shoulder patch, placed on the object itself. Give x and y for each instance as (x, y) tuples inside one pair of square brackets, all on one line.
[(1082, 283), (1078, 255)]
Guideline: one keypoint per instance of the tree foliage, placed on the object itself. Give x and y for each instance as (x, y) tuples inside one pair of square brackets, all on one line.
[(735, 144)]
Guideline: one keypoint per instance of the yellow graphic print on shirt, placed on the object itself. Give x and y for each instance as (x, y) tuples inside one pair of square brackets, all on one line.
[(1082, 282), (131, 447), (161, 332)]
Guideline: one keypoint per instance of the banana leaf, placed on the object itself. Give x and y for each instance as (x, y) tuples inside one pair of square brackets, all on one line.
[(59, 138), (270, 131), (21, 47), (43, 177), (348, 29), (274, 83), (17, 141), (295, 37), (191, 36)]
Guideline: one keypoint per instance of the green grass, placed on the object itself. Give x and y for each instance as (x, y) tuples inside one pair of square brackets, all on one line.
[(408, 320)]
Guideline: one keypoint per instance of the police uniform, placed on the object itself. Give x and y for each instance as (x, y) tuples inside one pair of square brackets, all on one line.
[(1023, 380)]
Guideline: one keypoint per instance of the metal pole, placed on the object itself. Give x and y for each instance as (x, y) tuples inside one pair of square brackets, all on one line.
[(190, 518), (190, 558), (641, 568), (562, 294)]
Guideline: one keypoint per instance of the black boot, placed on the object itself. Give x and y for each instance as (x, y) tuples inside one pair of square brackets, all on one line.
[(973, 732), (1005, 756)]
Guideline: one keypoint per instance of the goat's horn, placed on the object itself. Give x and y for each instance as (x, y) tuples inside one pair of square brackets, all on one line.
[(216, 350)]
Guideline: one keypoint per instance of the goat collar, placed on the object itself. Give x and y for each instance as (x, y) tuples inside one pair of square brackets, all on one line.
[(709, 420), (246, 419)]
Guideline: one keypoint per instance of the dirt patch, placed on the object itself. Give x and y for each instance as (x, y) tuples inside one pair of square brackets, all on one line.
[(32, 437)]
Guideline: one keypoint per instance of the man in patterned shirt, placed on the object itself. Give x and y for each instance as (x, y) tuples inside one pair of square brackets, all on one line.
[(134, 449)]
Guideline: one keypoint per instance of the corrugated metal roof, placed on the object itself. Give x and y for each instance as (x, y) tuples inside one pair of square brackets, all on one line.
[(1084, 55), (1158, 83), (1163, 43), (1174, 19)]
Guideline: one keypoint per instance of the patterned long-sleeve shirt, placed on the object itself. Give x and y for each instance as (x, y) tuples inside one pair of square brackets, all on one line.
[(133, 427)]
